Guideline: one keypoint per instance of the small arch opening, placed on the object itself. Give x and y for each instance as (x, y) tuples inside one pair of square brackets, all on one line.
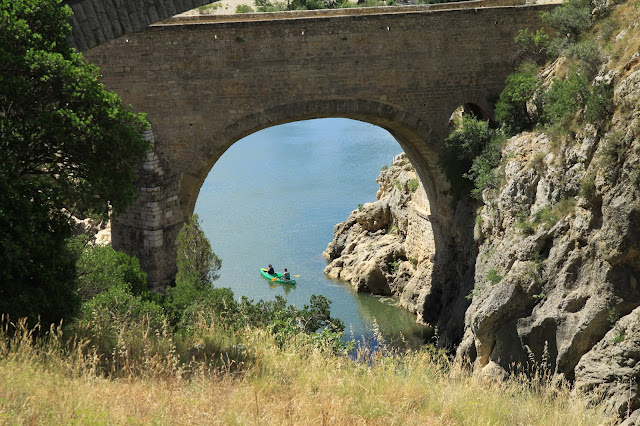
[(467, 109)]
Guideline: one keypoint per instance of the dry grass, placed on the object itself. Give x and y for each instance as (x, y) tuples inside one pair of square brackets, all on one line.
[(619, 36), (43, 381)]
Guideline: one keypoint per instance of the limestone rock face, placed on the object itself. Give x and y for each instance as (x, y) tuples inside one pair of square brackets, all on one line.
[(386, 247), (611, 369), (101, 231), (559, 256), (549, 274)]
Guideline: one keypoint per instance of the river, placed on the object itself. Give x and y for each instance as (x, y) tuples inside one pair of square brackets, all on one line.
[(275, 196)]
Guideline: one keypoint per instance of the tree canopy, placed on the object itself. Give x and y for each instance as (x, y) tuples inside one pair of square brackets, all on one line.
[(67, 146), (198, 268)]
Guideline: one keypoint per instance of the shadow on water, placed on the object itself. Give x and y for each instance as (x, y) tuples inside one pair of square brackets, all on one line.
[(286, 288), (391, 327)]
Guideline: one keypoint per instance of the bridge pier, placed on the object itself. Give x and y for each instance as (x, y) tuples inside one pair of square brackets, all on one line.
[(150, 227)]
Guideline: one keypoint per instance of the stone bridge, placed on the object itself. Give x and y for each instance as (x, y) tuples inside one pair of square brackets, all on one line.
[(206, 84)]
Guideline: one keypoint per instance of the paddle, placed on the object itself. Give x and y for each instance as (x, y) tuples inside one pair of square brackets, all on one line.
[(275, 278)]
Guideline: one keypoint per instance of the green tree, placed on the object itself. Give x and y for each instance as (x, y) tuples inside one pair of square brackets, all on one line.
[(67, 146), (198, 267), (101, 268), (37, 267), (463, 144), (195, 257)]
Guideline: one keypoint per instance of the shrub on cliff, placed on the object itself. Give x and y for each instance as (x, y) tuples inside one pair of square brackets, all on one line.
[(483, 172), (472, 152), (533, 46), (599, 106), (462, 145), (522, 88), (588, 56), (570, 19), (66, 144), (564, 98)]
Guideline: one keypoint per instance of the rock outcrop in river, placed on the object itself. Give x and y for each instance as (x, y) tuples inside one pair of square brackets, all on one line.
[(555, 281), (386, 247)]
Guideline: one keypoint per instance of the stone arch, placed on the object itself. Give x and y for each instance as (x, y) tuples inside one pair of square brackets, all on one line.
[(149, 229), (419, 139), (416, 137), (97, 21), (471, 101)]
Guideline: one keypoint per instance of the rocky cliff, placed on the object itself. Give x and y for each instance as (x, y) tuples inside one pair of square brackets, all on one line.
[(555, 278), (386, 247)]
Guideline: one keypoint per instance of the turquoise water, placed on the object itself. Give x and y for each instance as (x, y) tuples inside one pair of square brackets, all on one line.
[(275, 196)]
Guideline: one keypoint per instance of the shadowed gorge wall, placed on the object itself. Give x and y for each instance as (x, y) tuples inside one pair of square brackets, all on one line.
[(206, 85)]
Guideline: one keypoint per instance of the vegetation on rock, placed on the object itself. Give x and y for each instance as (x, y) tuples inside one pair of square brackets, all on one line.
[(557, 229), (565, 195)]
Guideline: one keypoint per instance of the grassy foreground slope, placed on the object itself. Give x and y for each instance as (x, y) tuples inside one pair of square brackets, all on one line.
[(43, 381), (218, 375)]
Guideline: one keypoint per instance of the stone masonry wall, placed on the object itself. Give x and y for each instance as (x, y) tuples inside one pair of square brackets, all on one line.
[(205, 86), (97, 21), (419, 241)]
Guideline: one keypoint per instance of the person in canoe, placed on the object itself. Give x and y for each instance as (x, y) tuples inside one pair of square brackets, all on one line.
[(270, 270), (286, 274)]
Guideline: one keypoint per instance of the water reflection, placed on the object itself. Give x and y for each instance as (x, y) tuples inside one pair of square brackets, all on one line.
[(285, 287), (396, 326)]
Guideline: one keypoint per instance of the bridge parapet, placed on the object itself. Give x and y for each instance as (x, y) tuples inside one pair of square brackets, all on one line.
[(97, 21), (294, 14)]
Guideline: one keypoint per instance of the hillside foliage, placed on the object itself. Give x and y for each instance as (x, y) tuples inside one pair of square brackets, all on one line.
[(67, 147), (573, 98)]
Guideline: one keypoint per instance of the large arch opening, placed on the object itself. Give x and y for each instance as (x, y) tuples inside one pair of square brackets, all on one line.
[(419, 140), (274, 197), (177, 171)]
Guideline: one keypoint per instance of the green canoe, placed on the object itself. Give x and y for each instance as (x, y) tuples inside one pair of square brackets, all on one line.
[(278, 277)]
